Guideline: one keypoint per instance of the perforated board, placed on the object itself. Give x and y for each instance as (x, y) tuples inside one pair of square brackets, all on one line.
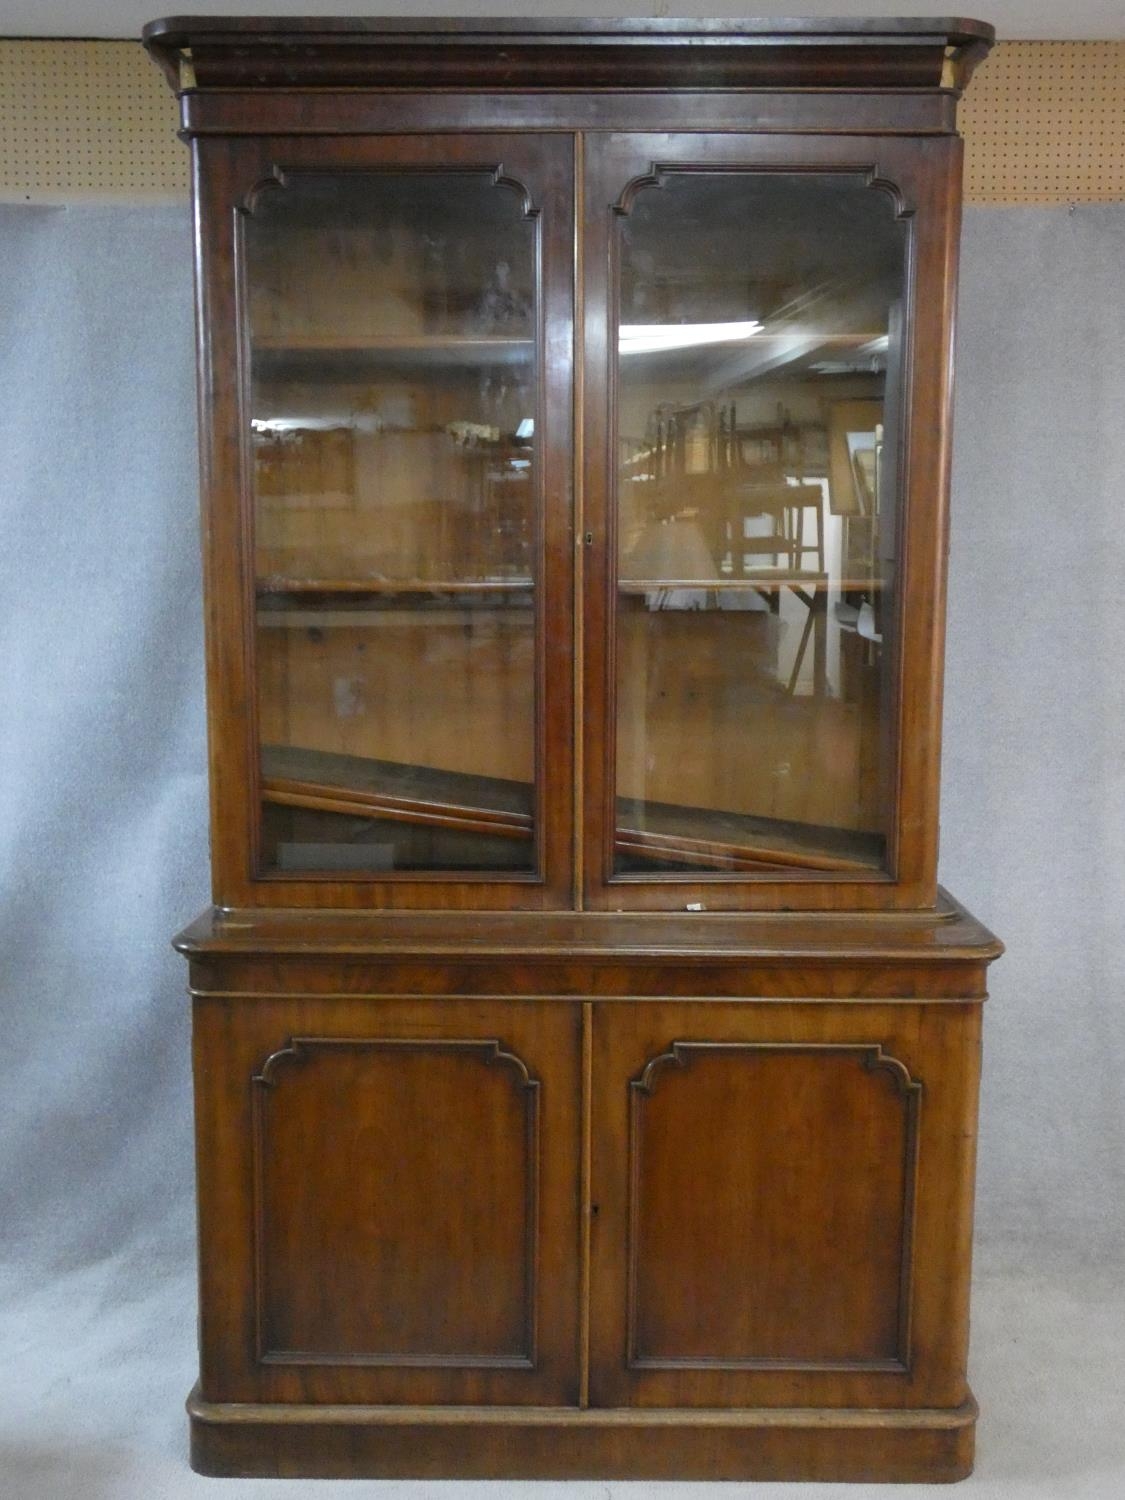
[(1044, 122), (86, 120)]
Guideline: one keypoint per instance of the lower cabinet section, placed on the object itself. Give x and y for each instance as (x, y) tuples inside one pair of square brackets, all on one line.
[(457, 1235)]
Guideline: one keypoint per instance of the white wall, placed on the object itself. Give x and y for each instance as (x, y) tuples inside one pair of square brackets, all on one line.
[(102, 763)]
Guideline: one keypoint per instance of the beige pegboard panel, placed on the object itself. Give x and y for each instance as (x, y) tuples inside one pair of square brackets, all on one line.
[(1044, 122), (81, 120)]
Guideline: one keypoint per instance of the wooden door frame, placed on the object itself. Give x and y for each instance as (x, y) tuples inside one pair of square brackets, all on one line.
[(922, 174), (228, 172)]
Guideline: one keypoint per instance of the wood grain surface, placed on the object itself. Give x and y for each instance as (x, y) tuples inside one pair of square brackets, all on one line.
[(590, 1167)]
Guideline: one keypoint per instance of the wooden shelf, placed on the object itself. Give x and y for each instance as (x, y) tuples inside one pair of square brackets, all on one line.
[(767, 852), (696, 837), (577, 1027), (332, 357), (676, 849), (412, 341), (761, 578), (426, 796), (319, 797), (317, 615), (272, 584), (359, 787)]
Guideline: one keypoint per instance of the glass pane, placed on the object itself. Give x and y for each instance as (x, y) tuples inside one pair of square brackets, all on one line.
[(393, 377), (757, 387)]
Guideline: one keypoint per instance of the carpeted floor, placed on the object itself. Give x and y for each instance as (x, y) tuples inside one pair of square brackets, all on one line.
[(98, 1362)]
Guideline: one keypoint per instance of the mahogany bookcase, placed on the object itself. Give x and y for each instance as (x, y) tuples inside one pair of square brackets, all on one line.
[(586, 1059)]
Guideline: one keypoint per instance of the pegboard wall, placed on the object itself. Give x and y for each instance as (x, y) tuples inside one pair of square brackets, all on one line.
[(86, 120), (1044, 122)]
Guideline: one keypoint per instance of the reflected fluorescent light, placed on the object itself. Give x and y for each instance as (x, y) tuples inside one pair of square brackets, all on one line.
[(298, 424), (654, 338), (526, 428), (345, 422)]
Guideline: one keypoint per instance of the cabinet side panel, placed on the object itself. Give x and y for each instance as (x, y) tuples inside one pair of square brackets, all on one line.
[(936, 194), (224, 521)]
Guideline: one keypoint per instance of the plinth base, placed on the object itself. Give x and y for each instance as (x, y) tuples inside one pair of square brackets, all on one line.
[(354, 1442)]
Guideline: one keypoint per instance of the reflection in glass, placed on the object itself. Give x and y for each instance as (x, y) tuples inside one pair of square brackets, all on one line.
[(757, 419), (393, 363)]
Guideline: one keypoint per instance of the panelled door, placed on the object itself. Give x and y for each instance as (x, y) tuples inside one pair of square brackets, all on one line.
[(759, 1238), (389, 1200)]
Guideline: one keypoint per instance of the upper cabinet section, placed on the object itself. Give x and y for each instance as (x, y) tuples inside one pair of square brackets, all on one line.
[(574, 410)]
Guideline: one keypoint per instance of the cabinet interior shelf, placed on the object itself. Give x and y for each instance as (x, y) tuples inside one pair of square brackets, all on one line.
[(272, 585), (334, 356), (759, 578), (320, 797), (331, 353), (428, 797)]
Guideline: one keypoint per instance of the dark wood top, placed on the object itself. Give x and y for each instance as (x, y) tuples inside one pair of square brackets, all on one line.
[(480, 52), (176, 29), (947, 934)]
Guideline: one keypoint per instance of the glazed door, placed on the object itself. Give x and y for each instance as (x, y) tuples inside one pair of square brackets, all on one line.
[(389, 519), (759, 1238), (763, 316)]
